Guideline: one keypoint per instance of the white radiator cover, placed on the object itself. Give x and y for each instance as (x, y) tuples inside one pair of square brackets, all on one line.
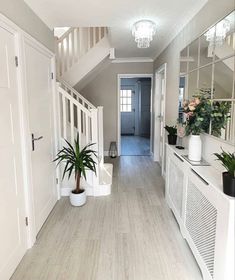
[(206, 215), (201, 218)]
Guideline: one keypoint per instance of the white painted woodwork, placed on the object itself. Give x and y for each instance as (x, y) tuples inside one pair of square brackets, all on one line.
[(12, 202), (159, 116), (206, 215), (79, 51), (78, 115), (39, 86)]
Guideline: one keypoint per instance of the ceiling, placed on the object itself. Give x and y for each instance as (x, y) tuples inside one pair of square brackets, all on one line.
[(170, 16)]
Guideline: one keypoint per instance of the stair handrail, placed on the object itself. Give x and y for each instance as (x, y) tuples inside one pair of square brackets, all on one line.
[(66, 33), (80, 98)]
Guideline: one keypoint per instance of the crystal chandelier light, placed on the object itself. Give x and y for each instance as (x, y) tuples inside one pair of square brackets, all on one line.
[(216, 35), (143, 31)]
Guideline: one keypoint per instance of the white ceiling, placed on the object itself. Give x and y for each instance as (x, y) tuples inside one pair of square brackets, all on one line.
[(169, 15)]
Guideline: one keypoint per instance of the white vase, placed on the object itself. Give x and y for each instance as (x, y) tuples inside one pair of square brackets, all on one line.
[(77, 199), (195, 148)]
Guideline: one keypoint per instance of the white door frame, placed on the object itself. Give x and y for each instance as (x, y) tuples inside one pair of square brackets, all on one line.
[(161, 71), (119, 77), (21, 37)]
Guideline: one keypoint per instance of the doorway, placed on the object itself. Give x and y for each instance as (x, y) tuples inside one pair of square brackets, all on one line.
[(13, 242), (135, 116), (159, 117), (39, 88)]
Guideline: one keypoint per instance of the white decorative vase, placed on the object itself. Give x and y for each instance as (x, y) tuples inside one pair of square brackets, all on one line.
[(195, 148), (77, 199)]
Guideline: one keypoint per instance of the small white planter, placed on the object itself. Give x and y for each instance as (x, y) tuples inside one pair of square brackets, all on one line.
[(195, 148), (77, 199)]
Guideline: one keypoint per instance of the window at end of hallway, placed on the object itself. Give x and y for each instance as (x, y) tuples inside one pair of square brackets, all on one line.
[(125, 96)]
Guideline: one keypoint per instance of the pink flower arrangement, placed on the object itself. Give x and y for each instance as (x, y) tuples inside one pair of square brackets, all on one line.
[(196, 112)]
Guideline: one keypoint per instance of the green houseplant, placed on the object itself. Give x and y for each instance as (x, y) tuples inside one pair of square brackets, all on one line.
[(228, 161), (77, 161), (172, 134)]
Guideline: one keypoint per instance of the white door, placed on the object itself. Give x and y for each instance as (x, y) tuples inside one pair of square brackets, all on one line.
[(127, 107), (12, 203), (40, 101), (159, 119)]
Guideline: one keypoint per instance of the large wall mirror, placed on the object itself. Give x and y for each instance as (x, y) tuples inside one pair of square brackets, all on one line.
[(208, 64)]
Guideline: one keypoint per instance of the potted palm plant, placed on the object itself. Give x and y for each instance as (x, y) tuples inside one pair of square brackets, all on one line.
[(172, 134), (77, 161), (228, 161)]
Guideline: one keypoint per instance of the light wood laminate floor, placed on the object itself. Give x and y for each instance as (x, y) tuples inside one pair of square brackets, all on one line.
[(129, 235)]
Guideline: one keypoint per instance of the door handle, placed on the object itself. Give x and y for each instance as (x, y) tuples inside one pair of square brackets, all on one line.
[(178, 157), (200, 177), (35, 139)]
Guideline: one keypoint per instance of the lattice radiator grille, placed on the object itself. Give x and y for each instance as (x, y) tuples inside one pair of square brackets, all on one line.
[(176, 180), (201, 217)]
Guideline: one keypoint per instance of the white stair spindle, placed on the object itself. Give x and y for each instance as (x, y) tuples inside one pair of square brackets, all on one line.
[(64, 117), (100, 33), (94, 36), (88, 38), (87, 128), (62, 58), (100, 135), (72, 121), (94, 124), (72, 48), (79, 124), (67, 53)]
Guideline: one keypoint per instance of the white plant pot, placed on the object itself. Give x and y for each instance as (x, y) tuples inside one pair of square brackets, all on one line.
[(195, 148), (77, 199)]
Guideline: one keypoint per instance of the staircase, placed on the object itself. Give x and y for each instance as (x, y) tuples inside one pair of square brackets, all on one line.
[(80, 50), (78, 115)]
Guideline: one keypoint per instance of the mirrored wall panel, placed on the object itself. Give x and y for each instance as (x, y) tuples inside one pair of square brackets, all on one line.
[(192, 83), (207, 65), (205, 77), (193, 54), (223, 78), (206, 51)]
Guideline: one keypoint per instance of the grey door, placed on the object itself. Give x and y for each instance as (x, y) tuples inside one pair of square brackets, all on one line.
[(127, 108), (144, 115)]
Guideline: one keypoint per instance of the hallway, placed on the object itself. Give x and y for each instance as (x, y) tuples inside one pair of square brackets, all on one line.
[(131, 234), (135, 146)]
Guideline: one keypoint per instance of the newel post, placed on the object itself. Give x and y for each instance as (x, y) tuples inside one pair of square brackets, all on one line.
[(95, 139), (100, 135)]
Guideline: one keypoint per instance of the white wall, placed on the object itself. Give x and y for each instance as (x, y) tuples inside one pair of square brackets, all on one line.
[(102, 90), (20, 13), (210, 13)]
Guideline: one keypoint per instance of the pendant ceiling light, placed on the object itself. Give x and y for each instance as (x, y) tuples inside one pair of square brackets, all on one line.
[(217, 34), (143, 31)]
